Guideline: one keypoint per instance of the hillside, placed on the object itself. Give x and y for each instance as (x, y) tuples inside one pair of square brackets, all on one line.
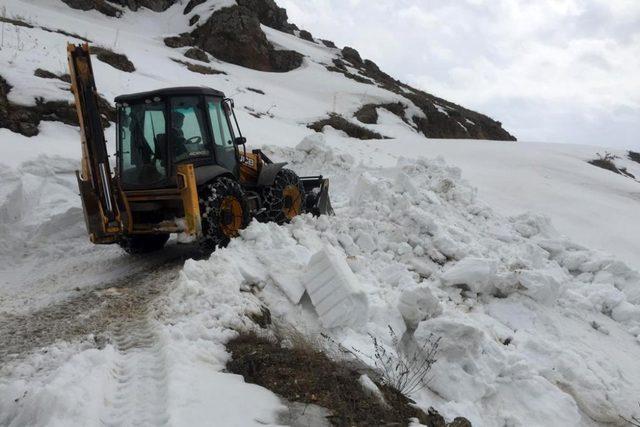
[(522, 258), (202, 35)]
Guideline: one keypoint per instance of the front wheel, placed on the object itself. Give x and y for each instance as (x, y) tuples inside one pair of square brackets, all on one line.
[(142, 243), (284, 199), (224, 213)]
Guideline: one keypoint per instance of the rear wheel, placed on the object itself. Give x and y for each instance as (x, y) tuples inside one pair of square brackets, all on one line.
[(224, 213), (284, 199), (142, 243)]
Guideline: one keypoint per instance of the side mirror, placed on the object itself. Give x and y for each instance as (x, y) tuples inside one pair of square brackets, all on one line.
[(240, 140)]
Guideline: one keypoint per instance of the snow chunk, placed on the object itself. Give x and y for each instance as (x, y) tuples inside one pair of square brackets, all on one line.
[(476, 273), (334, 290), (418, 304)]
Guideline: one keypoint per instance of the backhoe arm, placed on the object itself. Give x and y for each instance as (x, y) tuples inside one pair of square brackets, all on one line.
[(100, 197)]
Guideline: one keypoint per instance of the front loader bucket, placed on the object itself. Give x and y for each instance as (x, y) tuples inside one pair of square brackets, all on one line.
[(317, 189)]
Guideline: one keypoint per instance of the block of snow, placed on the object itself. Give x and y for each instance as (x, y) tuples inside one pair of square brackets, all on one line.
[(334, 290), (476, 273), (542, 286), (417, 304), (289, 284)]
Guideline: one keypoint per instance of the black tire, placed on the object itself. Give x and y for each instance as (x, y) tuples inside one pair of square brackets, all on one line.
[(142, 243), (284, 199), (224, 212)]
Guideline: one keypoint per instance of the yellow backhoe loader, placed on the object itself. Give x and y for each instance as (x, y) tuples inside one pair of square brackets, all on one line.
[(181, 167)]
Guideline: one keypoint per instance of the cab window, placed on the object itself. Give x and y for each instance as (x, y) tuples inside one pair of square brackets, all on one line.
[(141, 144), (188, 129)]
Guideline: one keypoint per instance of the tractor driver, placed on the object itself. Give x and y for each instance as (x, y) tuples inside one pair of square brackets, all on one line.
[(177, 135)]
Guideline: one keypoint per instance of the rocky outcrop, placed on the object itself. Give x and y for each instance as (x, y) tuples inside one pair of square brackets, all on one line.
[(100, 5), (25, 119), (108, 8), (441, 118), (233, 34), (197, 54), (155, 5), (340, 123), (269, 14), (368, 113), (306, 35), (116, 60)]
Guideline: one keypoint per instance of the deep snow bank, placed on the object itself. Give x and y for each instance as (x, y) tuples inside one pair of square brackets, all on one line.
[(535, 329)]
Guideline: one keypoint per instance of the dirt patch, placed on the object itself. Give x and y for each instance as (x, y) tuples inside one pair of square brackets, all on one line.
[(19, 23), (16, 22), (338, 122), (198, 68), (66, 33), (349, 75), (261, 92), (303, 374), (44, 74), (116, 60)]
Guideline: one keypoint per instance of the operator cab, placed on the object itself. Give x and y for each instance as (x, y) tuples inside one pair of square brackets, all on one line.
[(158, 130)]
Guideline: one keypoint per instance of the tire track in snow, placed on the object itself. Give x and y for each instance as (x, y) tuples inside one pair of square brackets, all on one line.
[(140, 397), (93, 312)]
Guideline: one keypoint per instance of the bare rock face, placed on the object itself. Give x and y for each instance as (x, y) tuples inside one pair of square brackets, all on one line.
[(99, 5), (116, 60), (25, 119), (442, 119), (155, 5), (269, 14), (306, 35), (104, 6), (233, 34), (351, 55), (197, 54)]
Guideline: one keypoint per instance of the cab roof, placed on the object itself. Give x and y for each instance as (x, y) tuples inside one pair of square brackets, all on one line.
[(169, 91)]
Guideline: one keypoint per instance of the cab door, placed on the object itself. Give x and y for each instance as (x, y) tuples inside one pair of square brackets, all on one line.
[(223, 145)]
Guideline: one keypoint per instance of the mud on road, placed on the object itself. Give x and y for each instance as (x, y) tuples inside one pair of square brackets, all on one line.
[(101, 311)]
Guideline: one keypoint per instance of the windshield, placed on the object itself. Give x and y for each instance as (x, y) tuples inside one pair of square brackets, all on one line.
[(142, 144)]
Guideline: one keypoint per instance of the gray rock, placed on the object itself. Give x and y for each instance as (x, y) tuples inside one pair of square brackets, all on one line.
[(197, 54)]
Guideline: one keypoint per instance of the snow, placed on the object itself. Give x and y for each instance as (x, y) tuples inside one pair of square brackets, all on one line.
[(522, 257), (335, 292)]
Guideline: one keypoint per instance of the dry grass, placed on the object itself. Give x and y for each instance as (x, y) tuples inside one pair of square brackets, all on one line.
[(301, 373)]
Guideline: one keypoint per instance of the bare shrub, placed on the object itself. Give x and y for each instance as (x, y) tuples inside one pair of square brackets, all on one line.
[(403, 370), (605, 161), (634, 421)]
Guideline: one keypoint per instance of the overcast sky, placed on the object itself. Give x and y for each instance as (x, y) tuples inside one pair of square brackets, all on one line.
[(549, 70)]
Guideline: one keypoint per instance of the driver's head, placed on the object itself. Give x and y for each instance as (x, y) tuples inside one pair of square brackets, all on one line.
[(177, 119)]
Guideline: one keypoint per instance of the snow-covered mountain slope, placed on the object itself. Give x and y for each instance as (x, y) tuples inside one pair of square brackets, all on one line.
[(522, 257)]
